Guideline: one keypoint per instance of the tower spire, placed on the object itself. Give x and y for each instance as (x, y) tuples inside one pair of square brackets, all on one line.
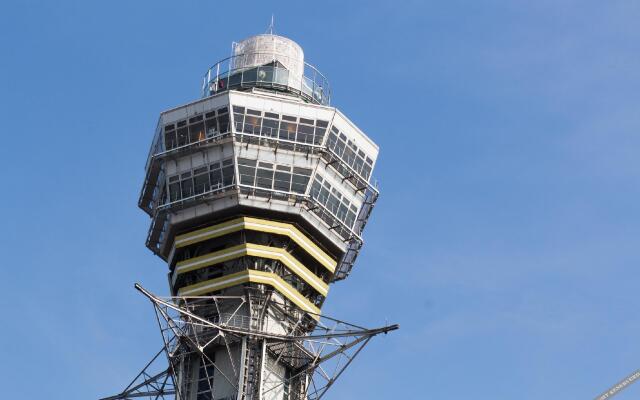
[(271, 26)]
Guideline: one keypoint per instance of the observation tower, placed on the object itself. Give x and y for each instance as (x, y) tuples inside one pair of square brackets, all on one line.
[(258, 195)]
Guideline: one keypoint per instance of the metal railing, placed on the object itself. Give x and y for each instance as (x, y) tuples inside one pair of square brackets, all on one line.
[(224, 75)]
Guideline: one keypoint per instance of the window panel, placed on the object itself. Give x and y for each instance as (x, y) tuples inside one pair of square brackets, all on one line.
[(227, 174), (211, 127), (215, 175), (252, 125), (196, 132), (282, 181), (183, 136), (264, 178), (223, 123), (187, 187), (170, 140), (247, 175), (201, 182), (174, 191), (270, 127)]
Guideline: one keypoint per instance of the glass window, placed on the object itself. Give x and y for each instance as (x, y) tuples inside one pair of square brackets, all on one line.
[(306, 121), (196, 132), (250, 75), (350, 219), (342, 212), (339, 148), (332, 140), (366, 171), (282, 181), (183, 136), (281, 76), (349, 156), (288, 131), (358, 165), (264, 178), (265, 74), (235, 80), (252, 125), (247, 175), (212, 127), (201, 180), (187, 187), (305, 133), (174, 191), (270, 127), (321, 129), (215, 175), (299, 183), (223, 123), (247, 170), (227, 172), (170, 140), (246, 161)]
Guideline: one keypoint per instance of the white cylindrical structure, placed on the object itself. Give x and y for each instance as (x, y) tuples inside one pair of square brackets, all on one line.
[(264, 49)]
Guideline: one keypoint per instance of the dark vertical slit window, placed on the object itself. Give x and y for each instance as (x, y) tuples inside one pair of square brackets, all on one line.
[(215, 175), (223, 120), (186, 183), (196, 129), (169, 136), (247, 170), (321, 129), (300, 179), (183, 133), (201, 180), (211, 125), (238, 117), (288, 128), (227, 172), (252, 122), (174, 188)]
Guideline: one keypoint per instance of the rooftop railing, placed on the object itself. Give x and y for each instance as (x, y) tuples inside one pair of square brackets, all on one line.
[(312, 86)]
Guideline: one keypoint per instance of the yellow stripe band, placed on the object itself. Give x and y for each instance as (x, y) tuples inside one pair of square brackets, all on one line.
[(255, 250), (260, 225), (253, 276)]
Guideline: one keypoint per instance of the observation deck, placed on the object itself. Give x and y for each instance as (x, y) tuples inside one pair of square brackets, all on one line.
[(269, 62)]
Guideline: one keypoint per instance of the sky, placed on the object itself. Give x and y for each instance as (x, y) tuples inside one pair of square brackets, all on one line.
[(505, 242)]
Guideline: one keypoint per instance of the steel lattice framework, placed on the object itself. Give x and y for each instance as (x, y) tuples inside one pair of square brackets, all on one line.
[(190, 325)]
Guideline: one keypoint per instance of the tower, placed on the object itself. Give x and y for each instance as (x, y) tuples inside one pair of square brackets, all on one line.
[(258, 195)]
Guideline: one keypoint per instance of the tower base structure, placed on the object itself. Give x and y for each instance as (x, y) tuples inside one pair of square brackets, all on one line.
[(223, 348)]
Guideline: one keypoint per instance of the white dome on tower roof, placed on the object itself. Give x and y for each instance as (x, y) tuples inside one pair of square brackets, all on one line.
[(267, 48)]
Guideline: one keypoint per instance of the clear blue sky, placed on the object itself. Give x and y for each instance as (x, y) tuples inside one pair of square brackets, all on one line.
[(506, 241)]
